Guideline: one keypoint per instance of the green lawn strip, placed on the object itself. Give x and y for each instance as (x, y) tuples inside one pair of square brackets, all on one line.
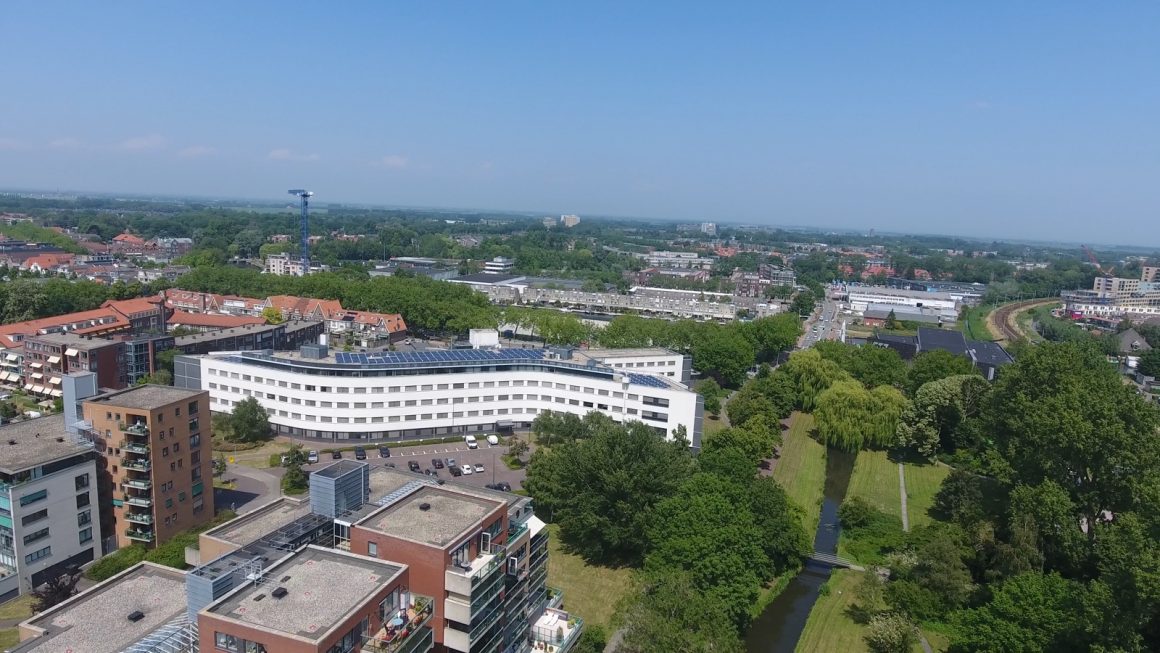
[(591, 592), (801, 469), (9, 638), (922, 483), (875, 479), (832, 627), (18, 608)]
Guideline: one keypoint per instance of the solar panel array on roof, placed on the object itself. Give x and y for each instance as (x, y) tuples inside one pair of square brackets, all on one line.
[(646, 380), (439, 356)]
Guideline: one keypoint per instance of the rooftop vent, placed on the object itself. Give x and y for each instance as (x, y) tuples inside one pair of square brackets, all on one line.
[(11, 441), (285, 578), (59, 439), (259, 597), (424, 506), (136, 616), (279, 592)]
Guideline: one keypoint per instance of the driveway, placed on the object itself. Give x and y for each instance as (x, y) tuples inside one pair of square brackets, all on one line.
[(252, 488)]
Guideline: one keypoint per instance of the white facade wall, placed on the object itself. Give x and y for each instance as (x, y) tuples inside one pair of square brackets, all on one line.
[(668, 364), (861, 298), (63, 521), (440, 403)]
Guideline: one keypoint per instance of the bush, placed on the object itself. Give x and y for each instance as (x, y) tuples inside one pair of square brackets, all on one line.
[(915, 600), (592, 639), (891, 633), (116, 562), (872, 532)]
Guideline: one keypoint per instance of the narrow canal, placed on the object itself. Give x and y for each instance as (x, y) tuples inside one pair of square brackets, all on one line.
[(779, 627)]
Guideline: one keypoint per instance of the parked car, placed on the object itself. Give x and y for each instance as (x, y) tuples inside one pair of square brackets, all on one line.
[(471, 442), (478, 468), (312, 457), (455, 471), (413, 466), (384, 452), (360, 453), (493, 439), (437, 463), (451, 462), (467, 471), (336, 454), (502, 487)]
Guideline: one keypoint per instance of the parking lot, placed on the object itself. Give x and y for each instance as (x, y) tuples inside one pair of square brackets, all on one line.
[(495, 471)]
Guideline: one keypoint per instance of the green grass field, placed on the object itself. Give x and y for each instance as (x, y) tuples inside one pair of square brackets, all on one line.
[(801, 469), (9, 638), (593, 593), (831, 626), (974, 327), (922, 483), (875, 480), (18, 608)]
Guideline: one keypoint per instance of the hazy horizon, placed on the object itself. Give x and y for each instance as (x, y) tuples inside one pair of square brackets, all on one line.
[(991, 121)]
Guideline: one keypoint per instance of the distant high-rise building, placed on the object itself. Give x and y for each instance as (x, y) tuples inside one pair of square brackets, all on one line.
[(709, 228), (569, 220), (549, 222), (499, 265)]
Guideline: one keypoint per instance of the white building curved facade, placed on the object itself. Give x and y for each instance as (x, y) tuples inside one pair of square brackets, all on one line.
[(405, 396)]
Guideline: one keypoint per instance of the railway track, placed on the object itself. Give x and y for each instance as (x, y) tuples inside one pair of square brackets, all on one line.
[(1003, 318)]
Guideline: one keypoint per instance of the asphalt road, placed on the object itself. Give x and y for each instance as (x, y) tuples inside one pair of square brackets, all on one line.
[(495, 471), (827, 323)]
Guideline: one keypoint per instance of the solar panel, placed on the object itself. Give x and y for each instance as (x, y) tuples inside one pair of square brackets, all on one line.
[(646, 380)]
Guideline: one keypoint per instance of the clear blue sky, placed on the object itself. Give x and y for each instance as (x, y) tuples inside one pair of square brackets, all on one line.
[(1006, 119)]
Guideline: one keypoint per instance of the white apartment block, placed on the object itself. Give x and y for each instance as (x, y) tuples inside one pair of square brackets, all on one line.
[(283, 265), (399, 396), (49, 514)]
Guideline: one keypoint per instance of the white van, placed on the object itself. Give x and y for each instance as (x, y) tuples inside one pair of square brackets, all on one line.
[(471, 443)]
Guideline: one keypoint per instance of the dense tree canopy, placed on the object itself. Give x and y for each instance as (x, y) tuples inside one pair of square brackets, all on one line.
[(602, 488), (934, 365)]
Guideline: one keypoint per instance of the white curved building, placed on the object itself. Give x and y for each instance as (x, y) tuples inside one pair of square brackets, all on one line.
[(404, 396)]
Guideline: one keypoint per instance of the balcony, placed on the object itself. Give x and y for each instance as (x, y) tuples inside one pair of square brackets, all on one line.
[(139, 518), (136, 465), (141, 502), (135, 448), (405, 631), (463, 579), (138, 484), (143, 536), (555, 631), (136, 428)]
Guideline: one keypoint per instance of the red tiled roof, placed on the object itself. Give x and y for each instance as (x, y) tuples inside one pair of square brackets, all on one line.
[(46, 261), (129, 239), (213, 320)]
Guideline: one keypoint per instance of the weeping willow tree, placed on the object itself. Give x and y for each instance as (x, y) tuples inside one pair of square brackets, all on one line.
[(842, 413), (812, 375), (850, 417), (889, 405)]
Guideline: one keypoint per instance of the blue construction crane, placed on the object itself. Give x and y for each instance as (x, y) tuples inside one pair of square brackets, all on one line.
[(305, 196)]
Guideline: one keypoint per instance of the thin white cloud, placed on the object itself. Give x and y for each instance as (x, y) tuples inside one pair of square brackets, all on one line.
[(194, 151), (982, 105), (64, 143), (10, 144), (286, 154), (394, 161), (140, 143)]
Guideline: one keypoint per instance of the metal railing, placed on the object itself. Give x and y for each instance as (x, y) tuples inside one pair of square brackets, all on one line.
[(404, 630)]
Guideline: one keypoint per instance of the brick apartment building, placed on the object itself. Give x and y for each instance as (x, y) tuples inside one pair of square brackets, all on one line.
[(157, 470)]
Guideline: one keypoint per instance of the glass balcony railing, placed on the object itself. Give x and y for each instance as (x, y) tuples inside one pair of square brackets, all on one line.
[(136, 428), (144, 536), (404, 631), (135, 448), (139, 518), (136, 464), (143, 502), (138, 484)]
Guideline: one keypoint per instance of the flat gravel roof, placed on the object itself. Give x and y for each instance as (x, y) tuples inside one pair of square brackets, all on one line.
[(33, 442), (449, 514)]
